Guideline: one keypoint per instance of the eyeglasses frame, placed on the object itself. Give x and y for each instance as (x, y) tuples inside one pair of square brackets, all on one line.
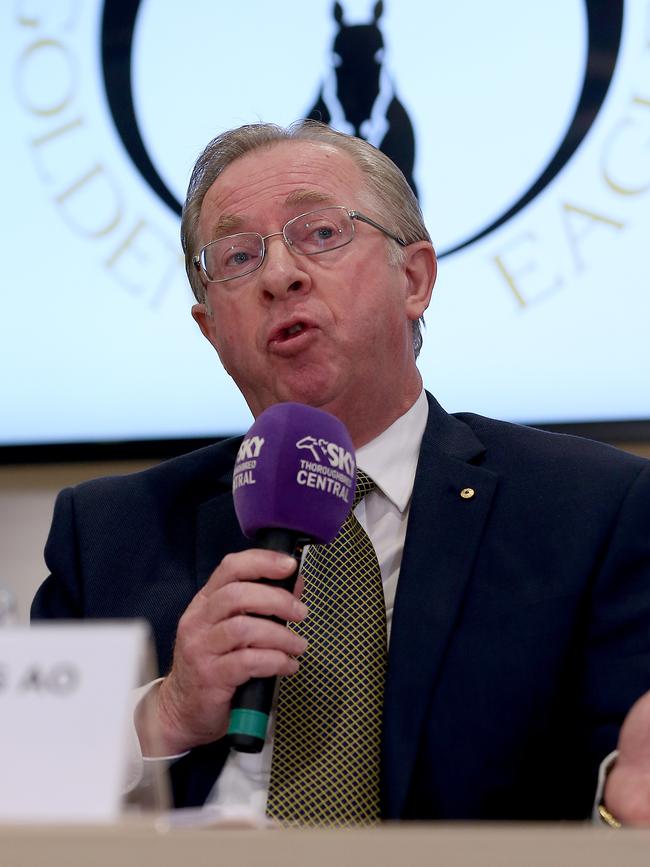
[(199, 260)]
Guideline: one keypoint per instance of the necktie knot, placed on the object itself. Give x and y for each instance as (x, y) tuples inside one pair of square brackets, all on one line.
[(364, 485)]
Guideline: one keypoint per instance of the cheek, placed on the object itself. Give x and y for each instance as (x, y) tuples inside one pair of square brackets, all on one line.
[(229, 326), (380, 303)]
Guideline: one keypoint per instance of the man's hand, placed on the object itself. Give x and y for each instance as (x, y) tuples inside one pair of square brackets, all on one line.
[(627, 791), (220, 645)]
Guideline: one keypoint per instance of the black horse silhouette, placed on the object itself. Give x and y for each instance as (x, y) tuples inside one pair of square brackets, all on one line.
[(358, 95)]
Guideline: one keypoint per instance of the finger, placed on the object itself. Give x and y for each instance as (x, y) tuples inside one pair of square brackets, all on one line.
[(251, 597), (299, 586), (242, 631), (250, 565), (238, 667)]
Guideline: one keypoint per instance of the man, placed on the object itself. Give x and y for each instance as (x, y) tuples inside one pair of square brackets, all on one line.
[(515, 563)]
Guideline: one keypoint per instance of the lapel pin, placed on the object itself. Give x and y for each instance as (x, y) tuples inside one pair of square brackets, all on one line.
[(467, 493)]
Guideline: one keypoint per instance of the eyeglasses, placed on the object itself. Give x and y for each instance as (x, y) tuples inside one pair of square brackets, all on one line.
[(307, 234)]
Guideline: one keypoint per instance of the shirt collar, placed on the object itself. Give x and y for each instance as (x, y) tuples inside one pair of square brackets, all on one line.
[(391, 458)]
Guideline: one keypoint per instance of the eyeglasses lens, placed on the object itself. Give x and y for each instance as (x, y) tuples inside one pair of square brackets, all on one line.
[(319, 231), (233, 256)]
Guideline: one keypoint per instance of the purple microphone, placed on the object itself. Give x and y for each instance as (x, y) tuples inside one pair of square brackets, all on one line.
[(293, 484)]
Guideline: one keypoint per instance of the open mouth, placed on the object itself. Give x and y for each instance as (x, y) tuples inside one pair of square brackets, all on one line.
[(296, 328), (291, 332), (296, 332)]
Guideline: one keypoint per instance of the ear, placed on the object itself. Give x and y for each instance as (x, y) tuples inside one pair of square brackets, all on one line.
[(204, 319), (420, 270)]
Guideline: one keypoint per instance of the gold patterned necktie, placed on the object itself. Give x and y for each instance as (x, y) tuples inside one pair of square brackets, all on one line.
[(327, 739)]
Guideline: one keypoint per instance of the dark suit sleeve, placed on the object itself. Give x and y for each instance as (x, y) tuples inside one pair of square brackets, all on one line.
[(61, 594), (617, 660), (90, 577), (122, 548)]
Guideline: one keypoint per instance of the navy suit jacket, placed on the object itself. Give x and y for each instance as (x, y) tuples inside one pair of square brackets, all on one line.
[(521, 628)]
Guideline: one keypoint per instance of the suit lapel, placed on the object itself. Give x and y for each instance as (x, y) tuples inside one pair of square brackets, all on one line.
[(443, 535)]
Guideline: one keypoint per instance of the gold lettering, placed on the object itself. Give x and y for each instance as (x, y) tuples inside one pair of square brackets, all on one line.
[(628, 132), (30, 14), (55, 133), (52, 104), (143, 260), (522, 274), (54, 136), (24, 21), (574, 215), (84, 197)]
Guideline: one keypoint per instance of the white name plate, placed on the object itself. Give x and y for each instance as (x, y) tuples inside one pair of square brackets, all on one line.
[(65, 725)]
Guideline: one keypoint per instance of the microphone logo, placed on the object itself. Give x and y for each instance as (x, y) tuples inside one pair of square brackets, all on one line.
[(337, 478), (310, 443), (337, 456), (249, 452), (250, 448)]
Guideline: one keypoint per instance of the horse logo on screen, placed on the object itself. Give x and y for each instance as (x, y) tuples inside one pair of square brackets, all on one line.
[(358, 96)]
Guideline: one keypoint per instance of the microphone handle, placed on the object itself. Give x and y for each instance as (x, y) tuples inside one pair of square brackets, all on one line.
[(251, 702)]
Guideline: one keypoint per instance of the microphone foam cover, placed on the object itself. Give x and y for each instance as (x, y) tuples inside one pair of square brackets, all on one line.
[(295, 470)]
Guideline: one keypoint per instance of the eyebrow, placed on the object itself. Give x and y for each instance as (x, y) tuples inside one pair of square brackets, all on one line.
[(227, 224), (299, 197)]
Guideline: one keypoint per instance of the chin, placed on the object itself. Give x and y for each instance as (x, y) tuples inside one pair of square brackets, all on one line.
[(310, 397), (316, 390)]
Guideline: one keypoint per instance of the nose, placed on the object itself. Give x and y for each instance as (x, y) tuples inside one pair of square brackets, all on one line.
[(282, 272)]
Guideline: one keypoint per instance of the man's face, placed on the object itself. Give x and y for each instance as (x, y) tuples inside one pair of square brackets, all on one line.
[(331, 330)]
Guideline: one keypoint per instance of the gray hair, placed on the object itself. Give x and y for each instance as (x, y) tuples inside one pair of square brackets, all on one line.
[(396, 204)]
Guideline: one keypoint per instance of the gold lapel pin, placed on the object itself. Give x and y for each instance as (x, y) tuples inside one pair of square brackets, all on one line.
[(467, 493)]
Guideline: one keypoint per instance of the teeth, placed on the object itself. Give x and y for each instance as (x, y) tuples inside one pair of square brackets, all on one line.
[(295, 328)]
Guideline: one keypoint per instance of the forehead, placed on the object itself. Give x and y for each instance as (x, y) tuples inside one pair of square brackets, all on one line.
[(276, 181)]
